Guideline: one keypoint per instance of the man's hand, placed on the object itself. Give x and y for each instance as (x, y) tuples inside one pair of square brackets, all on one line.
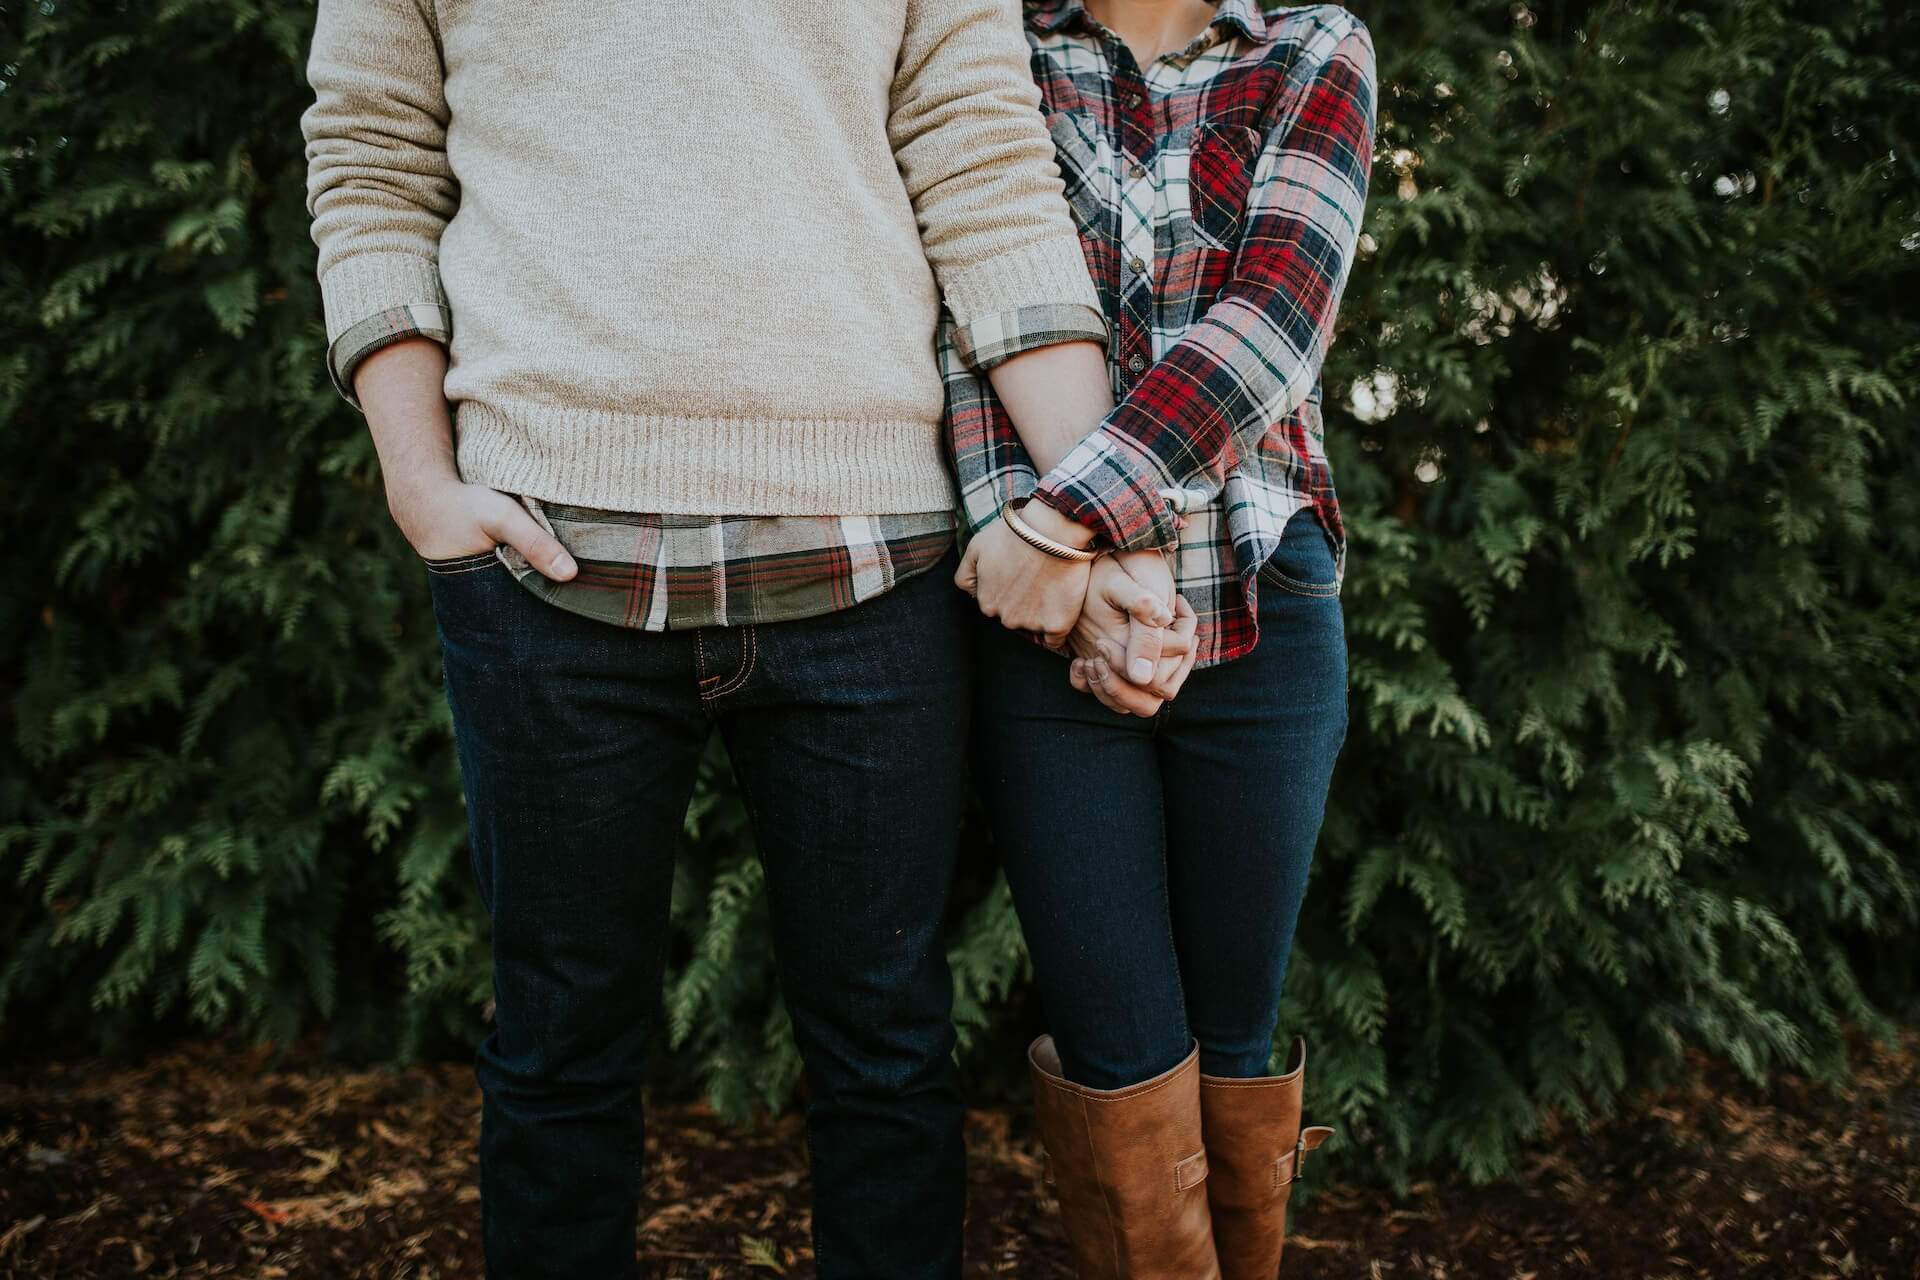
[(1022, 586), (400, 387), (445, 517)]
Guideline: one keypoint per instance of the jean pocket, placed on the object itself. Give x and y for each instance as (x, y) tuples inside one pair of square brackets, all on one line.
[(1304, 562), (472, 563)]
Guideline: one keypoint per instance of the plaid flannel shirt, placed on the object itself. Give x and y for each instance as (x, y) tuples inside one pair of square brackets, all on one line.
[(661, 572), (1219, 195)]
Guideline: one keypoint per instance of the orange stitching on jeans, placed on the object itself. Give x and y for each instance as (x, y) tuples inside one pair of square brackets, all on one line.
[(751, 659), (700, 662)]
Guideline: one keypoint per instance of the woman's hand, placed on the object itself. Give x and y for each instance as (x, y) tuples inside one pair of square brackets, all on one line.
[(1132, 648), (1099, 673)]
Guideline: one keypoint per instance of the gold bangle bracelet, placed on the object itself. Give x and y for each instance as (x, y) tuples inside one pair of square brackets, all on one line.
[(1010, 512)]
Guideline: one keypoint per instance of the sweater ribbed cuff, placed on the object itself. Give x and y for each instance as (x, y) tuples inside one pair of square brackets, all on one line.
[(1050, 273), (366, 284)]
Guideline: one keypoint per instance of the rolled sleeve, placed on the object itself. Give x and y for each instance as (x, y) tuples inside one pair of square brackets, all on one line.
[(995, 337), (383, 329), (1113, 485)]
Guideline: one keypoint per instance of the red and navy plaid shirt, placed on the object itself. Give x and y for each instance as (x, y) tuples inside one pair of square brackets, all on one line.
[(1219, 195)]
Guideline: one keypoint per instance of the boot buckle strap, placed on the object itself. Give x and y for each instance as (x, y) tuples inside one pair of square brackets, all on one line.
[(1191, 1172), (1288, 1167)]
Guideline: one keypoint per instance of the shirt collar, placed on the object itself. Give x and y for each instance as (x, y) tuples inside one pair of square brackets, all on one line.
[(1245, 15), (1048, 16)]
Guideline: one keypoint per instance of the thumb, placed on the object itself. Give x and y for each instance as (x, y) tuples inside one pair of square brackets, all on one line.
[(1143, 651), (513, 526)]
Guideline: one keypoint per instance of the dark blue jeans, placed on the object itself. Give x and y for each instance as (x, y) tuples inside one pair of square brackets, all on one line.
[(578, 744), (1158, 865)]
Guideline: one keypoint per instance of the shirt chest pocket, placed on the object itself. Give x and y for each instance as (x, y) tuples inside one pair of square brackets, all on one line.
[(1086, 166), (1212, 202)]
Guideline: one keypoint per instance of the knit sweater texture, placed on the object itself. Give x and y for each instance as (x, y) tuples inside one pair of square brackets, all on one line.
[(694, 255)]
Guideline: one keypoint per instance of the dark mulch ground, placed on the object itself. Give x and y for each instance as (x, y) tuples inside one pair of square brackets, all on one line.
[(209, 1163)]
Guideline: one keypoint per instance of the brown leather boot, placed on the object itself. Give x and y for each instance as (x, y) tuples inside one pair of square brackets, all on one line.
[(1255, 1149), (1130, 1171)]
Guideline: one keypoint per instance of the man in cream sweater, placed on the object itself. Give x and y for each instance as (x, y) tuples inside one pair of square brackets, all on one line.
[(640, 303)]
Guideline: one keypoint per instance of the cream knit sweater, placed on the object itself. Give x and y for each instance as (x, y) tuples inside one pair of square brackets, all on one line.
[(689, 251)]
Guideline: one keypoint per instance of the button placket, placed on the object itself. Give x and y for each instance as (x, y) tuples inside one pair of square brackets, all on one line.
[(1136, 193), (1140, 197)]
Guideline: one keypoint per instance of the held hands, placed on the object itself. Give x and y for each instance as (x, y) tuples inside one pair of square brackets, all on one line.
[(1132, 637), (1128, 627)]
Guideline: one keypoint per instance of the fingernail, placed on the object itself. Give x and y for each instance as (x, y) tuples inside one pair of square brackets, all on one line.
[(564, 566), (1142, 670)]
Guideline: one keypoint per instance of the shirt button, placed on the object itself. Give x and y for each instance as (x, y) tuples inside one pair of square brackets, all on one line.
[(1134, 101), (1137, 363), (1137, 171), (1138, 267)]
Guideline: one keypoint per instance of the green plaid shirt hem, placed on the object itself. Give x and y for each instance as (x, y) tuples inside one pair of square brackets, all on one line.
[(675, 573)]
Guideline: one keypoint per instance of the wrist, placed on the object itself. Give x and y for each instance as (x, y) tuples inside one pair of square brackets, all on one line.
[(1045, 520), (411, 488)]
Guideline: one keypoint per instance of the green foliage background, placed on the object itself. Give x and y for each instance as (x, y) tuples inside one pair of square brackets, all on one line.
[(1634, 601)]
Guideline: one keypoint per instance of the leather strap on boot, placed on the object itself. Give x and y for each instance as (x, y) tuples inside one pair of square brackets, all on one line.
[(1130, 1171), (1256, 1147)]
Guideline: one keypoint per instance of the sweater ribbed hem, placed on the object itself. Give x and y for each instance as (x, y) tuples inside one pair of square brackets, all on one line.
[(675, 465), (362, 286), (1050, 273)]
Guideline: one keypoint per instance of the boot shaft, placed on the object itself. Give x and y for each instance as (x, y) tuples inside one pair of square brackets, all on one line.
[(1130, 1171), (1255, 1149)]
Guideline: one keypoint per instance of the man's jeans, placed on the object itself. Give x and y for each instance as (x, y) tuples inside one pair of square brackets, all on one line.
[(1158, 865), (578, 744)]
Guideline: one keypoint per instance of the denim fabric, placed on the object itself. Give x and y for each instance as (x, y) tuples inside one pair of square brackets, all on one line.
[(1158, 865), (578, 743)]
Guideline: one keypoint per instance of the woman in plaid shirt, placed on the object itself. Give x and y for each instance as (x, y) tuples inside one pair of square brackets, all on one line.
[(1216, 160)]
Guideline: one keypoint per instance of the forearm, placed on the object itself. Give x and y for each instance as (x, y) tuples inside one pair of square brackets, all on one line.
[(401, 388), (1054, 396)]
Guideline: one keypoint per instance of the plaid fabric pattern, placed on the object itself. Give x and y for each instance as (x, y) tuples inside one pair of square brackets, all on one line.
[(995, 338), (661, 572), (415, 320), (1219, 195), (673, 573)]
